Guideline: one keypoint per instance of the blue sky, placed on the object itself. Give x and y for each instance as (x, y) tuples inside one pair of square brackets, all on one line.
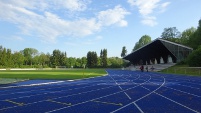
[(79, 26)]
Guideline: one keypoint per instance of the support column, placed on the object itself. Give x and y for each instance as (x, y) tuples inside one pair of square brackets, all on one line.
[(158, 60), (174, 60), (165, 59), (144, 62), (148, 62)]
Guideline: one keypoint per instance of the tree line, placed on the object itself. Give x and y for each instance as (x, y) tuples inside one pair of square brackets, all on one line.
[(31, 58), (190, 37)]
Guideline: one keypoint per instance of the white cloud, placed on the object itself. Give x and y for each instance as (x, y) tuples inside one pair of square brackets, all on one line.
[(113, 16), (28, 4), (150, 21), (163, 7), (71, 44), (83, 27), (92, 41), (99, 38), (17, 38), (147, 8), (72, 5), (48, 26)]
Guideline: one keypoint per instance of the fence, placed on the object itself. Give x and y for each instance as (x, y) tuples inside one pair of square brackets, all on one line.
[(185, 70)]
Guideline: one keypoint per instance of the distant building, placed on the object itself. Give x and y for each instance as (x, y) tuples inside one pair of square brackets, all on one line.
[(159, 51)]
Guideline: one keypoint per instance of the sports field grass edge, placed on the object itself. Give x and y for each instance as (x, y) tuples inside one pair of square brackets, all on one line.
[(53, 74)]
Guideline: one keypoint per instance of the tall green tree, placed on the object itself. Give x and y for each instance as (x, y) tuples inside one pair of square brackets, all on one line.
[(29, 53), (3, 57), (92, 59), (171, 34), (104, 59), (115, 62), (44, 59), (186, 34), (71, 62), (58, 58), (18, 59), (101, 58), (9, 62), (145, 39), (195, 39), (83, 62), (123, 52), (194, 59)]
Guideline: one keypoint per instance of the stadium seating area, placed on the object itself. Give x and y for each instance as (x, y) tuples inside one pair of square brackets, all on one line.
[(157, 67)]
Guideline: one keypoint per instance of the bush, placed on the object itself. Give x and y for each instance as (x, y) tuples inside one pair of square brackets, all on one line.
[(183, 62), (194, 59)]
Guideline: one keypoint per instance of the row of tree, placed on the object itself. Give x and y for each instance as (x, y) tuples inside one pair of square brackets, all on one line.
[(30, 57)]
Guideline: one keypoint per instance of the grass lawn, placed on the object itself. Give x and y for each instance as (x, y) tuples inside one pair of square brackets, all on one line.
[(183, 69), (52, 74)]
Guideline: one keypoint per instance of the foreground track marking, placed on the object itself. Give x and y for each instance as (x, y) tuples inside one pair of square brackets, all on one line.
[(134, 102), (138, 107), (117, 104), (177, 102), (120, 87), (57, 91), (58, 97), (68, 104), (99, 97), (16, 103), (129, 92)]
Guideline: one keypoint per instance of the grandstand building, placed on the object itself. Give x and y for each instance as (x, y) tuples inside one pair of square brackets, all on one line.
[(159, 51)]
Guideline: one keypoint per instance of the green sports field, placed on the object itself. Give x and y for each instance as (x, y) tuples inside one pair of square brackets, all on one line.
[(52, 74)]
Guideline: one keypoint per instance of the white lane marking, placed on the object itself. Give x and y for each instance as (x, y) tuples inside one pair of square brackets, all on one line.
[(127, 95), (138, 107), (58, 97), (177, 102), (98, 97), (120, 87), (180, 85), (121, 108), (141, 97), (16, 91), (39, 84), (52, 92), (82, 93), (152, 91), (145, 88), (183, 91), (188, 86)]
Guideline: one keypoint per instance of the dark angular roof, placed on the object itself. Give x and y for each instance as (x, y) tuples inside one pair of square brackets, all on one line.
[(155, 49)]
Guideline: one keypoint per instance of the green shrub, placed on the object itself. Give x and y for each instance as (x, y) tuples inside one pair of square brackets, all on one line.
[(194, 59)]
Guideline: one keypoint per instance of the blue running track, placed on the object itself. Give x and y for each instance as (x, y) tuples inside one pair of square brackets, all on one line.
[(120, 91)]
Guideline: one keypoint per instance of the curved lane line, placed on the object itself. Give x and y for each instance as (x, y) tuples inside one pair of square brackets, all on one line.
[(134, 102)]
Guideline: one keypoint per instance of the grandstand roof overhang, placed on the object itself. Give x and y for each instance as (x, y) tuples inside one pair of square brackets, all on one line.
[(155, 49)]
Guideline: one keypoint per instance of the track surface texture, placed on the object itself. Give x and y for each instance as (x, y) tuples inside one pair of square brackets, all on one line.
[(120, 91)]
